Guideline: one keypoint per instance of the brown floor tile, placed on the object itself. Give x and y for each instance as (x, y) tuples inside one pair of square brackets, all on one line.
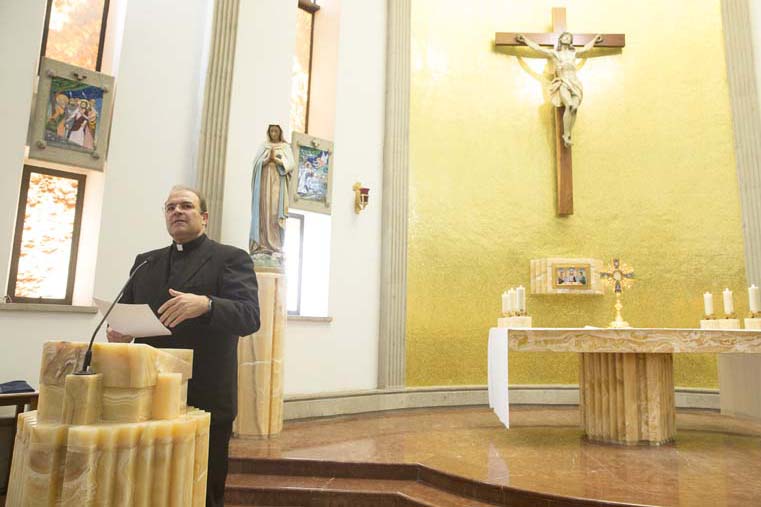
[(715, 460)]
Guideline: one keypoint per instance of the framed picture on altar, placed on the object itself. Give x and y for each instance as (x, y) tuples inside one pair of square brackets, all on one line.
[(566, 276), (311, 183), (571, 276), (72, 115)]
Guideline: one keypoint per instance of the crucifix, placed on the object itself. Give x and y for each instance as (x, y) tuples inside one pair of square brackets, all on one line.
[(565, 89)]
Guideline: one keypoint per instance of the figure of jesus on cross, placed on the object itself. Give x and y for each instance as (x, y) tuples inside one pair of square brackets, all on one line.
[(565, 90)]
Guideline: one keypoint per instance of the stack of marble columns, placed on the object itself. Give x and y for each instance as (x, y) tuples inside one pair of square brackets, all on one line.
[(123, 436), (260, 364)]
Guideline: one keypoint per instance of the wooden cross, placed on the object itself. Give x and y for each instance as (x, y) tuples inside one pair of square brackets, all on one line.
[(562, 152)]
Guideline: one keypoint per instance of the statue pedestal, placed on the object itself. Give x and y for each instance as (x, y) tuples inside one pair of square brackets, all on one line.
[(260, 364)]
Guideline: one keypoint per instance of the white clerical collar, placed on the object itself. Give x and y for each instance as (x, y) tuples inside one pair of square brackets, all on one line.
[(179, 247)]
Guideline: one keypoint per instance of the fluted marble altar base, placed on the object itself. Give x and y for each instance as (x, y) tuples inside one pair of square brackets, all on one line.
[(260, 364), (627, 398)]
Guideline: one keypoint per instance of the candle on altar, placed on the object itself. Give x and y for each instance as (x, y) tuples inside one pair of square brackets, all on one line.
[(729, 306), (511, 301), (708, 303), (505, 303), (520, 294), (754, 299)]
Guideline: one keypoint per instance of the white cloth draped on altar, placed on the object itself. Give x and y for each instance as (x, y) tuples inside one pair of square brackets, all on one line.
[(497, 374)]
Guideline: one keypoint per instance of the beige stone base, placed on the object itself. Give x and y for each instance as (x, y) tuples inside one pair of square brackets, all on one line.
[(514, 322), (627, 398), (721, 324), (260, 364)]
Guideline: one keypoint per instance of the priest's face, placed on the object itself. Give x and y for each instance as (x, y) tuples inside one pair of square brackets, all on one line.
[(184, 219)]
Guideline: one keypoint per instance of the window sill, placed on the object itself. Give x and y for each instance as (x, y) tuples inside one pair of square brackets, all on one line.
[(37, 307), (307, 318)]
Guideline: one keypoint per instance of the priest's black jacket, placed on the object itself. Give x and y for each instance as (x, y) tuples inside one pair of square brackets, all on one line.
[(226, 275)]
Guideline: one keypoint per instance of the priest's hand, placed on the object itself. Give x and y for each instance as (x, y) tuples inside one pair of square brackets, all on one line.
[(117, 337), (182, 306)]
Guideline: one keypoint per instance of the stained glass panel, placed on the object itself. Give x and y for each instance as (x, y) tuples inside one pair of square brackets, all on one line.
[(73, 31), (45, 250), (301, 69)]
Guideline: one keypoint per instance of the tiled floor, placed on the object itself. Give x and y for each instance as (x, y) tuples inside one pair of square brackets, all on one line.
[(715, 461)]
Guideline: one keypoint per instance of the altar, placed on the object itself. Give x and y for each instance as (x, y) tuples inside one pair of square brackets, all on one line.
[(626, 383)]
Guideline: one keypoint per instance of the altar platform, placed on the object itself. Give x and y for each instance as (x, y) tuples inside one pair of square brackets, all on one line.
[(466, 457)]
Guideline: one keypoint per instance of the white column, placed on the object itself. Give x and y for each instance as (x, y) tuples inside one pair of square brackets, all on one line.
[(391, 354), (741, 65), (212, 144)]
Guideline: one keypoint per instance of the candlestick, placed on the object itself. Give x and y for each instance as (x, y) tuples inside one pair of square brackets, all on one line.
[(754, 299), (520, 294), (708, 303), (729, 306)]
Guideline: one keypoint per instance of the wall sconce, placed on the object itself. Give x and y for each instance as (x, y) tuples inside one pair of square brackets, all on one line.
[(361, 196)]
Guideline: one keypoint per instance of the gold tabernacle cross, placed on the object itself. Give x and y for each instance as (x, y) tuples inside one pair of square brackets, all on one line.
[(562, 151), (619, 276)]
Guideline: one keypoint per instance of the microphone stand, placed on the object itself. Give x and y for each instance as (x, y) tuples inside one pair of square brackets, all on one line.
[(88, 355)]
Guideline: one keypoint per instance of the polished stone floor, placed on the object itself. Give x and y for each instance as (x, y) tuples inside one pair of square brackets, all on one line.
[(715, 461)]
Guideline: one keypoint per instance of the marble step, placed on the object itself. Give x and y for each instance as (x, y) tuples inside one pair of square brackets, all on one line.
[(310, 480), (283, 490)]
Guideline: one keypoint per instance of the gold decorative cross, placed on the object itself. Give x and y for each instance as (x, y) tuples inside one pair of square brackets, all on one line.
[(562, 150), (619, 276)]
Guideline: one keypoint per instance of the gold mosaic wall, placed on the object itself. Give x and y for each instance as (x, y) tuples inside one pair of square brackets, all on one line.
[(654, 179)]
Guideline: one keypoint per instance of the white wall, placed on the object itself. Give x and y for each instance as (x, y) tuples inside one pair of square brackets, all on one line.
[(153, 146), (261, 93), (343, 355), (154, 132), (20, 35), (22, 333)]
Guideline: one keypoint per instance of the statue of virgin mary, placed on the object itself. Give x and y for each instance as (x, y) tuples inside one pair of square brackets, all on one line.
[(269, 199)]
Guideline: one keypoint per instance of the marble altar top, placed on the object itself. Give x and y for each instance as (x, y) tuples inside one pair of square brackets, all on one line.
[(663, 340)]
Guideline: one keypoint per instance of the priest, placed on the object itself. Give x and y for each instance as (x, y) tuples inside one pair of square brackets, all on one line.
[(206, 294)]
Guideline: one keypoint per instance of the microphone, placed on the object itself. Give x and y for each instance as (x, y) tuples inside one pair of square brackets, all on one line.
[(88, 355)]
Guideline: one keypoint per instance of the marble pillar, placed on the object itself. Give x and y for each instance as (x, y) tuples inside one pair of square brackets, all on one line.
[(393, 297), (212, 141), (122, 436), (627, 398), (260, 364)]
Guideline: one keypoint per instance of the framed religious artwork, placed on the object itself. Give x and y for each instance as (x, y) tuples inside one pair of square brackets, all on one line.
[(72, 115), (311, 183), (566, 276)]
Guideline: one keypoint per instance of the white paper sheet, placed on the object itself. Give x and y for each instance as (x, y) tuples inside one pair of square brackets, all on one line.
[(132, 320)]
